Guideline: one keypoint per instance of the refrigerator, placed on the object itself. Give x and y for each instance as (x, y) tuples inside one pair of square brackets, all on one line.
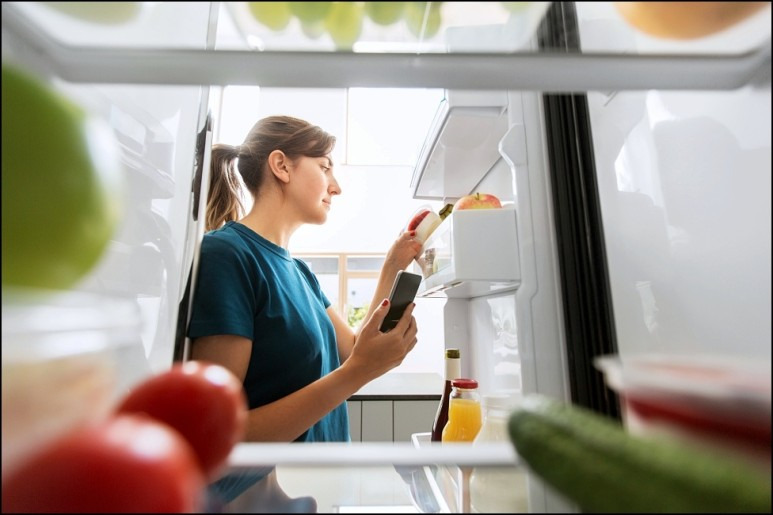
[(635, 172)]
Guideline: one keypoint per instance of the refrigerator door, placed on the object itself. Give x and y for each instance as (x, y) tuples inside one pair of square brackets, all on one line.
[(684, 183), (149, 257)]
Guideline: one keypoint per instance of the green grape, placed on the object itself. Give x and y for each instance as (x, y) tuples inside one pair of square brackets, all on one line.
[(274, 15), (414, 18), (313, 30), (344, 23), (310, 11), (514, 7), (111, 13), (384, 13)]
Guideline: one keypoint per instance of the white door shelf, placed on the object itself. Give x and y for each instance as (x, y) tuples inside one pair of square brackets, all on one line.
[(548, 72), (461, 145), (473, 252)]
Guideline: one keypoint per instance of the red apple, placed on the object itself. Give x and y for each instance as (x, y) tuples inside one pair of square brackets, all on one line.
[(478, 201), (424, 222)]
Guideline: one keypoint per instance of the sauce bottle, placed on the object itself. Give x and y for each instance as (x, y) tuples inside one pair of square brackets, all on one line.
[(453, 370), (464, 413), (497, 489)]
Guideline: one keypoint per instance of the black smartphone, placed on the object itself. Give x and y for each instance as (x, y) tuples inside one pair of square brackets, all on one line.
[(403, 292)]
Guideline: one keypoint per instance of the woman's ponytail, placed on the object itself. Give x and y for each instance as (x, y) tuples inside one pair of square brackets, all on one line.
[(224, 202), (293, 136)]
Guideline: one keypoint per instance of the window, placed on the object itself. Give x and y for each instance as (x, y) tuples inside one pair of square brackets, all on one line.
[(348, 281)]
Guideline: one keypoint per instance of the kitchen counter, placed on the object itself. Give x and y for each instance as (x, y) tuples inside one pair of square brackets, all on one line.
[(413, 386)]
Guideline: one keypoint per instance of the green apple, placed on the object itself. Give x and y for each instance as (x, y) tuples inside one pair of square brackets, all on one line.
[(415, 12), (310, 11), (61, 173), (384, 13), (274, 15), (344, 23), (111, 13)]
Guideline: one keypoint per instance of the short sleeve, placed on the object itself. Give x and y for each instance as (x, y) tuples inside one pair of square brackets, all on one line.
[(224, 299), (313, 282)]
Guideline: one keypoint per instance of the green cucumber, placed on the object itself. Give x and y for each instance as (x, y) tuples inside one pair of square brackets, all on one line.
[(594, 462)]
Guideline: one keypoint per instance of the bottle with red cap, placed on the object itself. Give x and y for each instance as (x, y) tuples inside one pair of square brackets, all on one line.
[(464, 412)]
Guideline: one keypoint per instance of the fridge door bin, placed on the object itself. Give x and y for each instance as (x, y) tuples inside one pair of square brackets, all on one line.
[(461, 145), (440, 481), (472, 253)]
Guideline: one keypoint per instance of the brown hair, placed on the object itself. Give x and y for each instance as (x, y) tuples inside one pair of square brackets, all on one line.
[(292, 136)]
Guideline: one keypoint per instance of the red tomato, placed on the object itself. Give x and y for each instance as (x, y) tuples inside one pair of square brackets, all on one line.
[(128, 463), (205, 402)]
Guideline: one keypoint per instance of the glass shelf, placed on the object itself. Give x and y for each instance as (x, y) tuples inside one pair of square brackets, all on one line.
[(472, 49)]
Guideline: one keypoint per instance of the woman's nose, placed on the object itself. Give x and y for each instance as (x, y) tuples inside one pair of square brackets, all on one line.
[(334, 188)]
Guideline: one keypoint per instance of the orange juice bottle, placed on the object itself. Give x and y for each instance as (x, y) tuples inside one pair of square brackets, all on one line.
[(464, 413)]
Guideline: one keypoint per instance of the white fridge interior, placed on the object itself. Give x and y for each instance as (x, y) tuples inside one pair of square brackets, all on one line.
[(685, 194), (682, 163)]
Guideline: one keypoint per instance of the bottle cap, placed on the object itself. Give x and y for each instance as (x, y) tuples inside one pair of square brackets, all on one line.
[(452, 353), (463, 382)]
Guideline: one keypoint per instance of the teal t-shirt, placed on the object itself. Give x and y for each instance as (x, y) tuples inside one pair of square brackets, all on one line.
[(248, 286)]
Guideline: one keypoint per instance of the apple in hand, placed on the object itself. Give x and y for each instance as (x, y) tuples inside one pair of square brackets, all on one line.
[(478, 201), (424, 222)]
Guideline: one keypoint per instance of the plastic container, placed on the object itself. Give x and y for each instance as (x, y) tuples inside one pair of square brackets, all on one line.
[(473, 252), (497, 489), (60, 359), (723, 402)]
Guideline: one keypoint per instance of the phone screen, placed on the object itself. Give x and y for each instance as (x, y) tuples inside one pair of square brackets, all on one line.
[(403, 292)]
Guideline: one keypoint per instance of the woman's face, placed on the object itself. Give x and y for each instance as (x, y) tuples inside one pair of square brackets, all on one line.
[(313, 187)]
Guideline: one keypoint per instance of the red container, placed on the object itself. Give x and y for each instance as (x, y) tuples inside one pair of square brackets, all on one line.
[(718, 401)]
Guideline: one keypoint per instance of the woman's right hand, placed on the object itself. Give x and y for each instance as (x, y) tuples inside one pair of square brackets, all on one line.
[(375, 353)]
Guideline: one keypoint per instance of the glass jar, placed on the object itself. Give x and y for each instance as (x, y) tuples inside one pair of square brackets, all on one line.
[(497, 489), (464, 412), (64, 363)]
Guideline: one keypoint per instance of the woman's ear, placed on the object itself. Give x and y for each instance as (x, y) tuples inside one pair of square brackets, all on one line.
[(279, 164)]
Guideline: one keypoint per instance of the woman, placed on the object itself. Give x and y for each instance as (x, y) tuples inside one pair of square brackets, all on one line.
[(262, 314)]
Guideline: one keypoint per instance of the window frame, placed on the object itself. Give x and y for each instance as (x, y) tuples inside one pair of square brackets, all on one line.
[(344, 274)]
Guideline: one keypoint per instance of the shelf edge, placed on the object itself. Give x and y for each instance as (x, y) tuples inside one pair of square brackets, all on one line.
[(554, 72)]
